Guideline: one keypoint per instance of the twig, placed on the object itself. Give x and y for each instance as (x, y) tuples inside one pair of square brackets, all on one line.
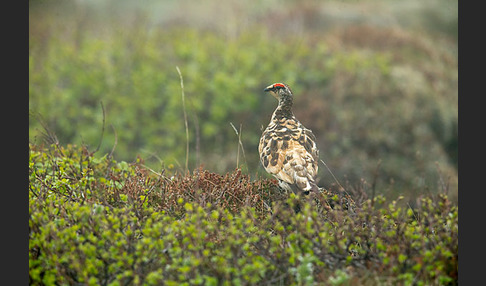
[(185, 118), (335, 179), (198, 138), (102, 128), (156, 173), (238, 152), (414, 216), (241, 144), (443, 185), (116, 142), (48, 136), (373, 185), (152, 154), (198, 161)]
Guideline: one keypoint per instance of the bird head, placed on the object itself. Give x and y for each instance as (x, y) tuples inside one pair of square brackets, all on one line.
[(280, 91)]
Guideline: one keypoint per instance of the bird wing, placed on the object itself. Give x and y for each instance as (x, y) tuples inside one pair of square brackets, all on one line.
[(288, 151)]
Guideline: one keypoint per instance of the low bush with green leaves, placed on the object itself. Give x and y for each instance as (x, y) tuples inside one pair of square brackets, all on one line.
[(97, 221)]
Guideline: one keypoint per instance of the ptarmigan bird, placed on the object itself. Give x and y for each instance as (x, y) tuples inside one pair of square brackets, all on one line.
[(287, 149)]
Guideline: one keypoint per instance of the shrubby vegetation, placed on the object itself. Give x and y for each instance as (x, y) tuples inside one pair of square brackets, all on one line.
[(97, 221), (373, 93)]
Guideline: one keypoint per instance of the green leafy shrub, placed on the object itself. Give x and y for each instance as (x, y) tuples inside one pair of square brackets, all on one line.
[(93, 220)]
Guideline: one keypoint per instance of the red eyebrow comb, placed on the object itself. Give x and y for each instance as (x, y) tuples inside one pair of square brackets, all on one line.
[(278, 85)]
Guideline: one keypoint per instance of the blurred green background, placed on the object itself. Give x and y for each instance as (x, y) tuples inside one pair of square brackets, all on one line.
[(377, 82)]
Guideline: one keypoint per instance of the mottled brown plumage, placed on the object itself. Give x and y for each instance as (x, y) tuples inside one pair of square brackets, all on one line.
[(287, 149)]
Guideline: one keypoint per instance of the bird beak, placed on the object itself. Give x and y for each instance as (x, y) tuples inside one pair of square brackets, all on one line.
[(268, 88), (271, 90)]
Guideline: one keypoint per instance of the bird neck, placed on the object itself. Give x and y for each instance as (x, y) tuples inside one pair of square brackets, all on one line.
[(284, 108)]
